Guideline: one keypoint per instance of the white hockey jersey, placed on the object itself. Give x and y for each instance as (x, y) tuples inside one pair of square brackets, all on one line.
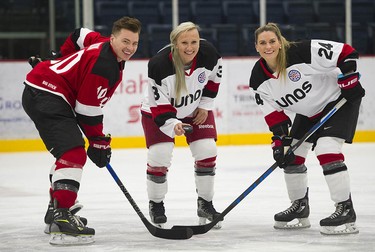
[(202, 82), (310, 82)]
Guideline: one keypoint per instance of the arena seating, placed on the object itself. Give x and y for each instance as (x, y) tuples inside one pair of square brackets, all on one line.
[(228, 24)]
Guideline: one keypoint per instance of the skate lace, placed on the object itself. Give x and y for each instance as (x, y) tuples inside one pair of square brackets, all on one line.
[(292, 208), (76, 219), (207, 207), (338, 212)]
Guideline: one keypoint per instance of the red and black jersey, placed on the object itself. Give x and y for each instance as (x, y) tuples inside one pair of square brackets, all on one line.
[(86, 78), (81, 38)]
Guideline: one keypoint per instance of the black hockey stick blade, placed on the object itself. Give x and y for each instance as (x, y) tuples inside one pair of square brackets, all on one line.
[(182, 233), (201, 229)]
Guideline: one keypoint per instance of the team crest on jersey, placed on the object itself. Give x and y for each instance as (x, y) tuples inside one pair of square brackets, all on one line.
[(294, 75), (202, 77)]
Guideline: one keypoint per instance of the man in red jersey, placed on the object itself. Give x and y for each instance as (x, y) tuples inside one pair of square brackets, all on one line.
[(64, 97)]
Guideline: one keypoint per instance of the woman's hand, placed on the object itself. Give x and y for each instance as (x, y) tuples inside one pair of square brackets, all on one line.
[(200, 116), (179, 129)]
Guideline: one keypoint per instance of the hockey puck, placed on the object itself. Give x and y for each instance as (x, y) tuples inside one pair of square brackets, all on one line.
[(188, 129)]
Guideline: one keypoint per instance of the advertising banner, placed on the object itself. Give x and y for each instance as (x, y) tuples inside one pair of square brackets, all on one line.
[(235, 108)]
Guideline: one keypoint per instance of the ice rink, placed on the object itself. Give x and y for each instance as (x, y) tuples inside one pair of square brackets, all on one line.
[(248, 227)]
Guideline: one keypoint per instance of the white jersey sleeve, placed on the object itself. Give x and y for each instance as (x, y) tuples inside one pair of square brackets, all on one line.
[(325, 55)]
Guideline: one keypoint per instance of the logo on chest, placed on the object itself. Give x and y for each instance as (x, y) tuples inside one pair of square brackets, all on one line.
[(202, 77), (295, 96), (294, 75)]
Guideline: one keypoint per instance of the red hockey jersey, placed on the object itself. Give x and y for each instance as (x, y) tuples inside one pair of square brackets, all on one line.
[(85, 77)]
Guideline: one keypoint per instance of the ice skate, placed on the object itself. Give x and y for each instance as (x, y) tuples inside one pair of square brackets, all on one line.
[(294, 217), (342, 221), (68, 229), (48, 218), (206, 211), (157, 213)]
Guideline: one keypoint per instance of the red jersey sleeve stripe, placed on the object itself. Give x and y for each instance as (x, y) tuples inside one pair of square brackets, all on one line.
[(346, 50), (162, 109), (212, 86), (275, 118)]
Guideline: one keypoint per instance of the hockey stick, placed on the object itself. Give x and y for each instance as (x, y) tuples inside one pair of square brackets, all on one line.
[(175, 234), (201, 229)]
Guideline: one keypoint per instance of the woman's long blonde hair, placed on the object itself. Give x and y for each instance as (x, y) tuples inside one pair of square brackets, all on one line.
[(281, 59), (177, 61)]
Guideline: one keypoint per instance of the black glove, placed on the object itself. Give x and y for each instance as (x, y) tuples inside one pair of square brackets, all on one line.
[(280, 154), (35, 60), (53, 55), (99, 150), (351, 88)]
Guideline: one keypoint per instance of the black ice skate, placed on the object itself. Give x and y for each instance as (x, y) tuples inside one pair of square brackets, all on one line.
[(48, 218), (206, 211), (342, 221), (157, 213), (296, 216), (68, 229)]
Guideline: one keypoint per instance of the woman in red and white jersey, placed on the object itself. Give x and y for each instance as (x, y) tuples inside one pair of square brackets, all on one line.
[(184, 79)]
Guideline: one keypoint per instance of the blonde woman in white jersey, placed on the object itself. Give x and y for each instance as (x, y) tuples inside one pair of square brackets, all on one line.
[(184, 79)]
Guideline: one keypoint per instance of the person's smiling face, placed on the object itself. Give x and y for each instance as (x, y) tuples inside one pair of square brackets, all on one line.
[(124, 44), (187, 45), (268, 46)]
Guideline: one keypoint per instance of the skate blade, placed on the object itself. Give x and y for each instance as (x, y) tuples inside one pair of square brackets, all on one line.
[(203, 221), (294, 224), (46, 229), (69, 240), (348, 228)]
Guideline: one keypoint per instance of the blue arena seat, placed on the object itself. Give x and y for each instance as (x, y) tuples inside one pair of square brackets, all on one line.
[(363, 11), (321, 31), (275, 11), (158, 37), (228, 39), (146, 11), (299, 12), (360, 37), (209, 34), (106, 12), (205, 13), (239, 12), (165, 9), (330, 11), (248, 40), (371, 37)]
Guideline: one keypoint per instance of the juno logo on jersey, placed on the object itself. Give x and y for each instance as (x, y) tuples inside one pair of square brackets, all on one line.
[(294, 75), (202, 77)]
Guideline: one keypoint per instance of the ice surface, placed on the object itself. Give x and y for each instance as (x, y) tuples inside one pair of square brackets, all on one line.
[(248, 227)]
